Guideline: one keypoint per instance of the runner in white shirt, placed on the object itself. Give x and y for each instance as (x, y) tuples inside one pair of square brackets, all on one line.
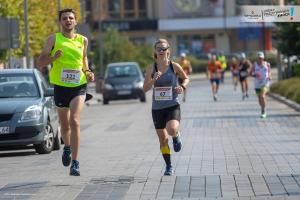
[(261, 70)]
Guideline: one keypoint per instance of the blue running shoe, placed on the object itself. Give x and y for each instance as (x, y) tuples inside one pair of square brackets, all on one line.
[(169, 170), (177, 143), (66, 156), (74, 169)]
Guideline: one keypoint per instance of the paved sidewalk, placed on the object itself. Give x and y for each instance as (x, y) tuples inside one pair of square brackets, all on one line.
[(228, 153)]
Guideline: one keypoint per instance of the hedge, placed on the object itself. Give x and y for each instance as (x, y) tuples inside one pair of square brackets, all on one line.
[(289, 88)]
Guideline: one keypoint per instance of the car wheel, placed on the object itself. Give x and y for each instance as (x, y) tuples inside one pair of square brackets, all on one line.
[(47, 145), (56, 145), (105, 101), (143, 98)]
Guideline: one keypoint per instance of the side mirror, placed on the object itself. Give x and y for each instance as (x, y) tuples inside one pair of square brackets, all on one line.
[(49, 92)]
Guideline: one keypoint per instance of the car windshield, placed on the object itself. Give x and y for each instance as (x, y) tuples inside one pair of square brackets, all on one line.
[(122, 71), (17, 86)]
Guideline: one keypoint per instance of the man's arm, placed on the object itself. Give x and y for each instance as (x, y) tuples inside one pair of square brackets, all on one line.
[(45, 58), (86, 69)]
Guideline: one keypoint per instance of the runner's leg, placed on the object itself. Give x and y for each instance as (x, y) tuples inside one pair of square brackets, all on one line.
[(76, 106), (64, 119)]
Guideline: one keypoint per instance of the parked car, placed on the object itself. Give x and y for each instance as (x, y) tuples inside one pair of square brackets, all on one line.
[(123, 80), (27, 111)]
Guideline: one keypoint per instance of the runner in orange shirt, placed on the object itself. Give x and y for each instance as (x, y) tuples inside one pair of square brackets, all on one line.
[(187, 68), (214, 70)]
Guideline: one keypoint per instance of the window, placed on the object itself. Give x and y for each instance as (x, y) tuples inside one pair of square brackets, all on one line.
[(122, 71), (142, 9), (129, 9), (197, 45), (126, 9), (114, 8)]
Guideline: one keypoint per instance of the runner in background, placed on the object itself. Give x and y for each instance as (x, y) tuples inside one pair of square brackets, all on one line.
[(261, 70), (214, 70), (244, 71), (187, 68)]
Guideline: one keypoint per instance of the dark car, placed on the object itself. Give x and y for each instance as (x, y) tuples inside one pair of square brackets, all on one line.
[(123, 81), (27, 111)]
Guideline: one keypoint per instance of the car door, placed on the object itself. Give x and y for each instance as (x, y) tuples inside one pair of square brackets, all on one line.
[(49, 102)]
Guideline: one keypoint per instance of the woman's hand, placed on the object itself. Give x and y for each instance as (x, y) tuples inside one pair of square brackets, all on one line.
[(179, 89), (157, 75)]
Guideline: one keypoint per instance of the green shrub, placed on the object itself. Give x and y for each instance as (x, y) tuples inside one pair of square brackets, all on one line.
[(296, 70), (289, 88)]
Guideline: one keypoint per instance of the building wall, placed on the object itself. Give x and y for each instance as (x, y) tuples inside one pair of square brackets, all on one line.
[(187, 29)]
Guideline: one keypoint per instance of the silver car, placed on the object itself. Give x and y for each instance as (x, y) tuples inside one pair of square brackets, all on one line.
[(27, 111)]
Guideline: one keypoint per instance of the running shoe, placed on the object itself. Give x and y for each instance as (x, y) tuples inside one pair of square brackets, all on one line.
[(169, 170), (215, 98), (263, 115), (177, 144), (66, 156), (74, 169)]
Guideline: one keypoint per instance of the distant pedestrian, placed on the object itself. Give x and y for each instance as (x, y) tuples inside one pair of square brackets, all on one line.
[(214, 70), (163, 77), (67, 51), (261, 70), (187, 68), (244, 71)]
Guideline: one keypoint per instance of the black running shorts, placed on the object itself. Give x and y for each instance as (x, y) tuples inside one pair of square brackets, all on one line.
[(64, 95), (161, 117)]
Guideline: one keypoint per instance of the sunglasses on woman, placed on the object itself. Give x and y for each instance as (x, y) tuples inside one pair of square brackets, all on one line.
[(159, 49)]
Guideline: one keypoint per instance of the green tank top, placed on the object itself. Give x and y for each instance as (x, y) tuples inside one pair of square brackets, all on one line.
[(67, 69)]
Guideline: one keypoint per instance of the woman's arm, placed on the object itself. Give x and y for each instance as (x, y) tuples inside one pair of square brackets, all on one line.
[(149, 80), (178, 70)]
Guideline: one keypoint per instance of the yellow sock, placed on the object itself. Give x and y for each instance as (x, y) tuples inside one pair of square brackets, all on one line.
[(165, 150)]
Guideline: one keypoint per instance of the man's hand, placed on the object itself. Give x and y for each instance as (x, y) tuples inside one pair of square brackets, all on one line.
[(90, 76), (57, 54)]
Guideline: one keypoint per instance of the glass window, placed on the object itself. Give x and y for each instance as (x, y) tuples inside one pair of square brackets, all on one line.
[(122, 71), (129, 9), (114, 8), (197, 45), (17, 86), (142, 5), (142, 9), (114, 5), (129, 4)]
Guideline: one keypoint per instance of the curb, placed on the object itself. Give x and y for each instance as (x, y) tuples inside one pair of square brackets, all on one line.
[(286, 101)]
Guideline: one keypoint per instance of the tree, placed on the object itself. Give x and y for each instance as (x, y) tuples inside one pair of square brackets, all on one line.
[(117, 48), (42, 21), (288, 36)]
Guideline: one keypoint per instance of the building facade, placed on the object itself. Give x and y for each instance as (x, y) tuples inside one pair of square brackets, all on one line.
[(195, 27)]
